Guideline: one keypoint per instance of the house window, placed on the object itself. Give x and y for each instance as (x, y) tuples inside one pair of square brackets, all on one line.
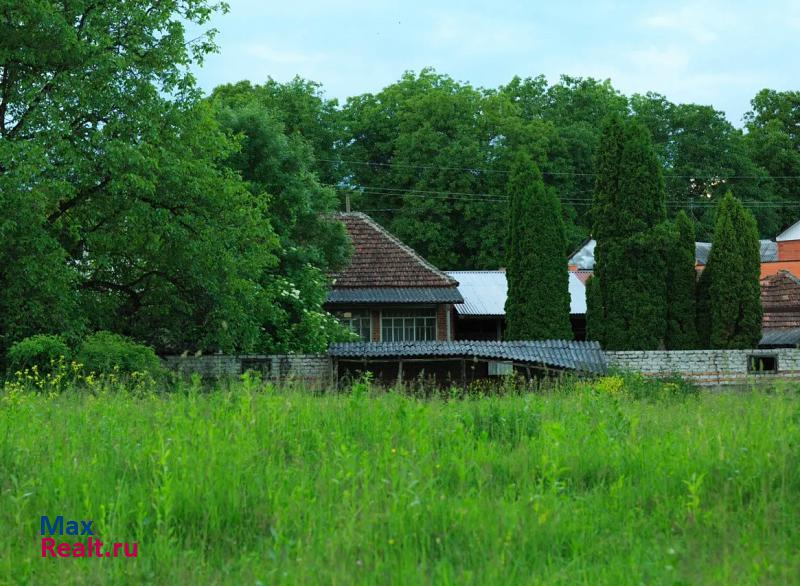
[(762, 364), (359, 321), (404, 325)]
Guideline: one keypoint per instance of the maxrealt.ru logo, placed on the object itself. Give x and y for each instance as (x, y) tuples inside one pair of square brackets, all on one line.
[(92, 547)]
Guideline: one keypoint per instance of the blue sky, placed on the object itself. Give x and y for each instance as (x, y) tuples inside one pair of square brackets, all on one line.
[(718, 53)]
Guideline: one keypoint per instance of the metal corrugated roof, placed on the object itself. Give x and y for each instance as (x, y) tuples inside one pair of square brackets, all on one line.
[(583, 258), (396, 295), (485, 293), (566, 354), (767, 248), (780, 337)]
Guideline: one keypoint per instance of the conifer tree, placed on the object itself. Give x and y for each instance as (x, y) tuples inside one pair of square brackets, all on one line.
[(629, 215), (594, 310), (734, 266), (681, 284), (537, 306)]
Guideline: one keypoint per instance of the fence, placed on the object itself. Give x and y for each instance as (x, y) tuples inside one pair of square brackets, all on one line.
[(713, 367), (312, 368)]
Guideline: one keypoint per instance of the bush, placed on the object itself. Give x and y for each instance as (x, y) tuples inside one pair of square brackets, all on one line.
[(103, 352), (41, 350)]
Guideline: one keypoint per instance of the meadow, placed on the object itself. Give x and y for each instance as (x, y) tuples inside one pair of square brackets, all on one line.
[(583, 483)]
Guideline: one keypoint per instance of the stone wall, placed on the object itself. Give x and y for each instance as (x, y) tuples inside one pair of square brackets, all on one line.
[(312, 368), (711, 367)]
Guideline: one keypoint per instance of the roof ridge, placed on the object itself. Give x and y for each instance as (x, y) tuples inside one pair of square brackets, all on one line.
[(405, 247)]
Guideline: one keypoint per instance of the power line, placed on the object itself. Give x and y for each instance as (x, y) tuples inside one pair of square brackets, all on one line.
[(551, 173), (575, 201)]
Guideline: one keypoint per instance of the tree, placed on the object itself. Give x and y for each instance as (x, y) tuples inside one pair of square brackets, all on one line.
[(595, 313), (277, 170), (538, 300), (304, 112), (734, 267), (416, 148), (773, 143), (629, 213), (119, 212), (681, 331)]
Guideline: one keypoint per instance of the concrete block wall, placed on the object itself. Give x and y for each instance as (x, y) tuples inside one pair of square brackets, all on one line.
[(708, 367), (312, 368)]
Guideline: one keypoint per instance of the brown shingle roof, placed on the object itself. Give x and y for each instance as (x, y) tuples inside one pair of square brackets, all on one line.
[(380, 260), (780, 300)]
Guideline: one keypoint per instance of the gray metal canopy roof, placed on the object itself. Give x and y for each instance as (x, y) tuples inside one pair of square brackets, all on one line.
[(395, 295), (565, 354), (780, 337)]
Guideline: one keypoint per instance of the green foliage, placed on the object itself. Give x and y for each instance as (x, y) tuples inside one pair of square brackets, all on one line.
[(329, 489), (538, 300), (117, 211), (104, 352), (40, 350), (278, 169), (595, 313), (629, 306), (773, 143), (734, 267), (681, 333)]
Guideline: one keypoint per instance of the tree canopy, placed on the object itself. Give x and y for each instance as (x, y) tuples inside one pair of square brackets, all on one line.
[(131, 203)]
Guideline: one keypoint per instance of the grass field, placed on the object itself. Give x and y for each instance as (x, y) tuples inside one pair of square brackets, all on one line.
[(251, 485)]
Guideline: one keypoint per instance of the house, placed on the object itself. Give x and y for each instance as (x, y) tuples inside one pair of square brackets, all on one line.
[(482, 315), (388, 292), (408, 315)]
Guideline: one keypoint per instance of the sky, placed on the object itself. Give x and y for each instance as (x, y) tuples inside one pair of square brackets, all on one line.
[(714, 53)]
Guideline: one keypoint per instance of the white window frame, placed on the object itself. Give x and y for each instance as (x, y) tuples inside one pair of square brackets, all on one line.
[(349, 319), (419, 324)]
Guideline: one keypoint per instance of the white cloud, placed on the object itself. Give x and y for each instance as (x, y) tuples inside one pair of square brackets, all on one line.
[(670, 58), (282, 56), (701, 24), (479, 34)]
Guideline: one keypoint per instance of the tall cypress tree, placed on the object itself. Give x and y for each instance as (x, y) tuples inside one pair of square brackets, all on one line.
[(594, 310), (681, 284), (537, 306), (629, 216), (734, 265)]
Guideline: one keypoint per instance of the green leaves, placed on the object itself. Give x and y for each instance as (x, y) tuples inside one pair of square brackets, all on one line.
[(538, 300), (628, 298), (734, 268)]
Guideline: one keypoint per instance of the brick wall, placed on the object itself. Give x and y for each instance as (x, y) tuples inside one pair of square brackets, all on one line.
[(780, 299), (708, 367), (313, 368), (441, 321)]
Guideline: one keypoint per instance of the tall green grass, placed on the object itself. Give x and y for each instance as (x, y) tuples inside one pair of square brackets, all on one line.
[(250, 485)]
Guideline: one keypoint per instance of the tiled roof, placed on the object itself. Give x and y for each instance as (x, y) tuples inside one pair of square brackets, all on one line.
[(485, 293), (572, 355), (396, 295), (583, 258), (380, 260), (780, 300)]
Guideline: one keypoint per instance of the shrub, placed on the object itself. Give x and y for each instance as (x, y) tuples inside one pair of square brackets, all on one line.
[(41, 350), (103, 352)]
